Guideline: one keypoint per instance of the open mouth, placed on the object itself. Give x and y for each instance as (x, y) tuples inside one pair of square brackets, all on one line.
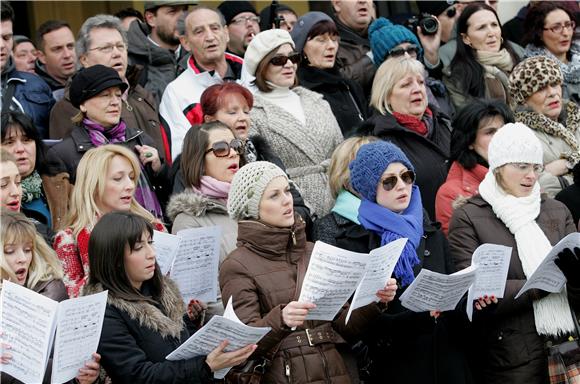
[(554, 104), (402, 197), (21, 274), (241, 128), (289, 212), (126, 199), (13, 206), (234, 167)]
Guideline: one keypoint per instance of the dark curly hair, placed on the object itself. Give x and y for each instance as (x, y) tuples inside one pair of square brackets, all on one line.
[(534, 22)]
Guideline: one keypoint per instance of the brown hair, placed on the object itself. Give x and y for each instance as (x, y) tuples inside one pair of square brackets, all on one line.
[(260, 80)]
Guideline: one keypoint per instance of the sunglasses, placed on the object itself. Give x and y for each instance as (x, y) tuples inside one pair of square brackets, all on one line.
[(390, 182), (411, 50), (281, 60), (222, 148)]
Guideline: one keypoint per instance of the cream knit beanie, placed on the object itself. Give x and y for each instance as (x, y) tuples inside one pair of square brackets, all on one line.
[(262, 44), (247, 188), (514, 143)]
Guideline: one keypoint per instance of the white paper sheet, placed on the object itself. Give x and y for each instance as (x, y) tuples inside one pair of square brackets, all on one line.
[(332, 277), (78, 331), (166, 246), (493, 262), (548, 277), (27, 324), (195, 268), (432, 291), (380, 266), (218, 329)]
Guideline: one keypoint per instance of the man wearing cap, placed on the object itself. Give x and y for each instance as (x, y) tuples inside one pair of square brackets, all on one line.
[(155, 44), (206, 38), (243, 23)]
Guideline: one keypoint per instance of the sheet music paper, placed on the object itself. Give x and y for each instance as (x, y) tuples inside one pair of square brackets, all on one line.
[(218, 329), (380, 267), (548, 277), (78, 331), (166, 246)]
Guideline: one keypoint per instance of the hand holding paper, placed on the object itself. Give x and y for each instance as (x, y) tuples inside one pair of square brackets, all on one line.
[(295, 312)]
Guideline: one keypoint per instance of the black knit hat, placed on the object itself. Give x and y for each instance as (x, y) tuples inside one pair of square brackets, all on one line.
[(91, 81), (231, 9), (434, 8)]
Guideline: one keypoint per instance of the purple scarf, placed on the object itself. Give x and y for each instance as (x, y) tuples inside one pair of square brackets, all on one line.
[(213, 188), (100, 135)]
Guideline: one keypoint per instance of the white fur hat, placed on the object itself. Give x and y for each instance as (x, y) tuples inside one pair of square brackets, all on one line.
[(262, 44), (514, 143)]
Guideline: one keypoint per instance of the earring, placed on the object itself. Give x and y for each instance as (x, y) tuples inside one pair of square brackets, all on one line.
[(501, 40)]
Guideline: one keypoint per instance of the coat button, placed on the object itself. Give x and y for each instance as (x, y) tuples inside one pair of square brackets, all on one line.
[(139, 99), (427, 252)]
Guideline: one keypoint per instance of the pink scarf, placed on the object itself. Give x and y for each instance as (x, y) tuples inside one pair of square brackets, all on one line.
[(213, 188)]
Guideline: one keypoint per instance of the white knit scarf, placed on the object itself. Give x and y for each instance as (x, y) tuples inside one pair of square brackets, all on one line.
[(551, 313)]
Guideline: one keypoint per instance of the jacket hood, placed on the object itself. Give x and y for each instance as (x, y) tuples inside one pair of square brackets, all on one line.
[(271, 242), (148, 315), (193, 204)]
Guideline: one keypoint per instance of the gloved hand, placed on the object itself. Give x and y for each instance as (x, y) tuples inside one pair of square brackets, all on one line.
[(569, 263)]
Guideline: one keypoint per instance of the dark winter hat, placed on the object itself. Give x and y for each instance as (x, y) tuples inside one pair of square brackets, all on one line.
[(304, 25), (369, 164), (91, 81), (434, 7), (231, 9), (153, 5), (384, 36), (266, 14)]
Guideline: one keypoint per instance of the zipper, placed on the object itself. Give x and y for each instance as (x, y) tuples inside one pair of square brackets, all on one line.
[(293, 234), (324, 364), (287, 367), (355, 104)]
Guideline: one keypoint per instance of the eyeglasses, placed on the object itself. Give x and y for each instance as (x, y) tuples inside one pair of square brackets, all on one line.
[(411, 50), (245, 20), (109, 48), (281, 60), (559, 27), (390, 182), (222, 148), (525, 168)]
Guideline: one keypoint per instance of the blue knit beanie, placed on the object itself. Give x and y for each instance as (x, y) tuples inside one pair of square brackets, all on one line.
[(369, 164), (385, 36)]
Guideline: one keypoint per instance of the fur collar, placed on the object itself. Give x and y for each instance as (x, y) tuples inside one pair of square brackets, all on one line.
[(149, 316), (193, 204)]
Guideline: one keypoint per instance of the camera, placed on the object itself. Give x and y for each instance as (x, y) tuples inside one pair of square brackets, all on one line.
[(425, 21)]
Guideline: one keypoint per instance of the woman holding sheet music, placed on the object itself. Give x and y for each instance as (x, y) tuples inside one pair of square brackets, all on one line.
[(264, 277), (28, 261), (509, 339), (145, 318)]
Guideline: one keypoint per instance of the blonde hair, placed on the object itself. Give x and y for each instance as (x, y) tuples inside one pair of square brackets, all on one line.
[(90, 186), (344, 153), (389, 73), (44, 266), (6, 157)]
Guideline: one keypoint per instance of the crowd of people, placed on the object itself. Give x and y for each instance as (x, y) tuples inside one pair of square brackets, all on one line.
[(285, 129)]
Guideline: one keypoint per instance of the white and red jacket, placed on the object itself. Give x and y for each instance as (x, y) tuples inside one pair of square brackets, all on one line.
[(180, 109)]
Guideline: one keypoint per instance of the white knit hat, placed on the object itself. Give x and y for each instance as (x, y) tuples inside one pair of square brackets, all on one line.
[(514, 143), (247, 188), (262, 44)]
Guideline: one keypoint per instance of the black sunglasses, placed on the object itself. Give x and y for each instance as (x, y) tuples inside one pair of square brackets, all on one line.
[(222, 148), (390, 182), (281, 60), (396, 52)]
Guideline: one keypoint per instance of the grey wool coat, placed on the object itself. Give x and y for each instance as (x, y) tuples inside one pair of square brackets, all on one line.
[(305, 149)]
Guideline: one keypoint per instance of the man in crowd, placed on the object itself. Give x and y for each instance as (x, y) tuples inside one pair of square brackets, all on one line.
[(102, 40), (243, 23), (57, 58), (21, 91), (354, 58), (284, 13), (206, 37), (155, 44)]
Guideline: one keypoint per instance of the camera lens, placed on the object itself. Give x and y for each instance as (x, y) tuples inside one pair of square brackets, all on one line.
[(429, 25)]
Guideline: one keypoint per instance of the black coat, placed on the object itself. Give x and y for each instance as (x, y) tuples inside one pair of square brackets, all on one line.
[(429, 155), (346, 97), (570, 196), (407, 347)]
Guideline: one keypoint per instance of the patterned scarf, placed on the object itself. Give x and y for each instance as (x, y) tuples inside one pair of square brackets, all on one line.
[(571, 71), (31, 187), (100, 135), (566, 132)]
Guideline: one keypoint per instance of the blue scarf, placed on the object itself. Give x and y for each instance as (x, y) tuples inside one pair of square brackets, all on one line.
[(392, 226), (347, 206)]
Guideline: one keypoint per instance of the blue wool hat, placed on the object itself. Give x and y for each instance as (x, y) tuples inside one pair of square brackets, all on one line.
[(369, 164), (384, 36)]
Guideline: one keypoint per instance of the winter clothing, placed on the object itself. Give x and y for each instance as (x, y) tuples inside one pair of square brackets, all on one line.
[(31, 96), (513, 29), (384, 36), (460, 185), (139, 110), (230, 9), (56, 87), (57, 190), (261, 275), (137, 336), (434, 8), (515, 144), (447, 51), (303, 26), (428, 154), (304, 148), (180, 109), (532, 75), (89, 82), (509, 349), (570, 196), (248, 186), (262, 44)]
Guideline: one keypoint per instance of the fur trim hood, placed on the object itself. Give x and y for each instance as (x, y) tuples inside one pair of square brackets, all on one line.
[(148, 315), (193, 204)]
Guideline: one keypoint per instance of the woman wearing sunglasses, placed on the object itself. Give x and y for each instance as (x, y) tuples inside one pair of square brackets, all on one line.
[(210, 158), (550, 28), (483, 60), (297, 123), (509, 339), (404, 346), (316, 39)]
